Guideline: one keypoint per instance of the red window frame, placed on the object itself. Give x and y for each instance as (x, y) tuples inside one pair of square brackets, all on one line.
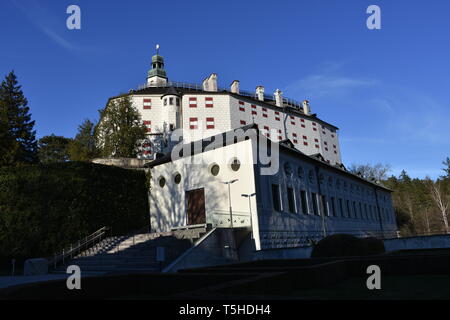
[(193, 126), (209, 102), (210, 126), (147, 104), (192, 105)]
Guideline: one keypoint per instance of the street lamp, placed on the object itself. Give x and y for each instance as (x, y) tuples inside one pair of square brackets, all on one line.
[(229, 198), (249, 196)]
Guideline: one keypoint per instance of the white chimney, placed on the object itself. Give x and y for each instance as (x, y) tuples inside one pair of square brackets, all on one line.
[(260, 93), (235, 86), (278, 98), (210, 83), (306, 108)]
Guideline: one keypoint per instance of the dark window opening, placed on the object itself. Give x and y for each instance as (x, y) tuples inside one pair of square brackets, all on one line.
[(291, 199), (276, 197)]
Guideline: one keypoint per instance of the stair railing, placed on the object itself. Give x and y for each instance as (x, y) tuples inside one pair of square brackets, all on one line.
[(78, 247)]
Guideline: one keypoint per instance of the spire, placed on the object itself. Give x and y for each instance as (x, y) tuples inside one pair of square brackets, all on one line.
[(157, 75)]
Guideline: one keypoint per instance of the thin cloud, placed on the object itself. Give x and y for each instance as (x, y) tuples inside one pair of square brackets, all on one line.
[(46, 22), (327, 82)]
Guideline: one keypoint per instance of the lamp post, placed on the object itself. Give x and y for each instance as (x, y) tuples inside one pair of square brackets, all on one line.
[(229, 198), (249, 196)]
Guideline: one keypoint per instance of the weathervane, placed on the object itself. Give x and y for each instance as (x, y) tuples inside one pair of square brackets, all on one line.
[(157, 49)]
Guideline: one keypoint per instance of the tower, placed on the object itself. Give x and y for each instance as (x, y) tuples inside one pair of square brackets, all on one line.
[(157, 75)]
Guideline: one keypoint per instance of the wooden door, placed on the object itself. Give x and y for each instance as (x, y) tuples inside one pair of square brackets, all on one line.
[(196, 206)]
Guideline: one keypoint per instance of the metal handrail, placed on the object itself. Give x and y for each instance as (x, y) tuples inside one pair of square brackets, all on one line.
[(199, 87), (78, 247)]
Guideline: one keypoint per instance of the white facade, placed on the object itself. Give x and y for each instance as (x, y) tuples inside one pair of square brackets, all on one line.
[(290, 223)]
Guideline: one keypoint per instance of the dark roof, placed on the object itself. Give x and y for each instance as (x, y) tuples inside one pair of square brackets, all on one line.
[(287, 145)]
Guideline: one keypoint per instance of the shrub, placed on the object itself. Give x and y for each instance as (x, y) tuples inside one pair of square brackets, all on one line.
[(44, 208), (345, 245)]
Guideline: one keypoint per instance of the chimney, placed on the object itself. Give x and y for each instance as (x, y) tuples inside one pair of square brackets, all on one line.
[(235, 86), (260, 93), (278, 98), (210, 83), (306, 108)]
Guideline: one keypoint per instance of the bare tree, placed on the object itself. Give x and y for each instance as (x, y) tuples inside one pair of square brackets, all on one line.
[(441, 202), (378, 171)]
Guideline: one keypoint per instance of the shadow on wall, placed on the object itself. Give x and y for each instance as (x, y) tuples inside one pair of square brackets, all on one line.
[(170, 200)]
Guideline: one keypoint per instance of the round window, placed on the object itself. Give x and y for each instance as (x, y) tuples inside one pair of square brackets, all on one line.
[(235, 164), (177, 178), (215, 169), (162, 182)]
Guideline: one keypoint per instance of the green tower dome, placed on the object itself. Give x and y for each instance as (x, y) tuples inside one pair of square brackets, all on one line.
[(157, 69)]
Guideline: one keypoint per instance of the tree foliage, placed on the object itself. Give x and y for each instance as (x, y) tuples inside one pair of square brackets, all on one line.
[(45, 207), (120, 129), (17, 136), (82, 147), (53, 149)]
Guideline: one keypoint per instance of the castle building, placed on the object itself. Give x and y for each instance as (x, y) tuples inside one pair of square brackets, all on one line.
[(250, 160), (205, 110)]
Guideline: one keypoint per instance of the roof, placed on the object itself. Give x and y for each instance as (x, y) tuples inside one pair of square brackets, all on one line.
[(266, 103), (286, 145)]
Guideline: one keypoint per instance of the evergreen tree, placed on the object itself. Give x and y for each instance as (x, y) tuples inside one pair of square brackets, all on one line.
[(446, 169), (120, 129), (18, 139), (53, 149), (83, 147)]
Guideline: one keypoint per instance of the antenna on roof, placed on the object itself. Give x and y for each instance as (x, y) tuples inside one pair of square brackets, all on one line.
[(157, 49)]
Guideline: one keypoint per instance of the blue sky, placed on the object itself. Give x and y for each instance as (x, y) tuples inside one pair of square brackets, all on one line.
[(387, 90)]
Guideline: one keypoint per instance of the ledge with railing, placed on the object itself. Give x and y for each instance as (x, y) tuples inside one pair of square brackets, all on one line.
[(195, 86), (222, 219)]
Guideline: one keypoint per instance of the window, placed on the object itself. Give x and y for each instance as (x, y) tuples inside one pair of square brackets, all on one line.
[(355, 214), (325, 206), (147, 104), (147, 122), (341, 207), (365, 210), (210, 123), (243, 122), (333, 207), (235, 164), (193, 123), (162, 182), (361, 211), (178, 102), (165, 102), (276, 197), (314, 202), (291, 200), (304, 202), (305, 143), (177, 178), (215, 169), (305, 137), (348, 209), (209, 102), (170, 101), (192, 102)]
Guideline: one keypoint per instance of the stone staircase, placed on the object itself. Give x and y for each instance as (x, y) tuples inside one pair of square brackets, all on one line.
[(137, 253)]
